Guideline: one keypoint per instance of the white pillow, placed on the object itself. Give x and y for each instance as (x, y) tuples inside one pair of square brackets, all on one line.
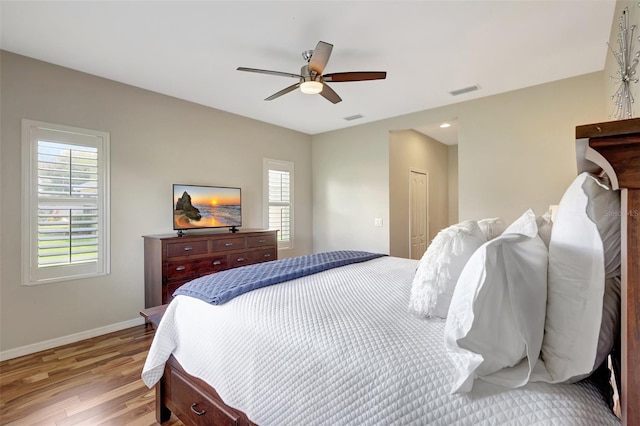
[(611, 320), (496, 319), (492, 227), (545, 225), (583, 251), (440, 267), (604, 209)]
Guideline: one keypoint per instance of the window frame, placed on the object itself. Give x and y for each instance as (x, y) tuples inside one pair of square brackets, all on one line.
[(32, 132), (282, 166)]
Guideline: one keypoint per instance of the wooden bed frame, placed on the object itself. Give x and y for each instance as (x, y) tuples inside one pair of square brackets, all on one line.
[(615, 147), (611, 146)]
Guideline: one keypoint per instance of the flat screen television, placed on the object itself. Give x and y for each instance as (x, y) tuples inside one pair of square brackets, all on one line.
[(199, 206)]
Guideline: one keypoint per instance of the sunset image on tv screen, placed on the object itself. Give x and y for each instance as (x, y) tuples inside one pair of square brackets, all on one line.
[(206, 207)]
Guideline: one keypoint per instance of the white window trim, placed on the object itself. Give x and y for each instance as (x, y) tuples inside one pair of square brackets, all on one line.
[(285, 166), (32, 131)]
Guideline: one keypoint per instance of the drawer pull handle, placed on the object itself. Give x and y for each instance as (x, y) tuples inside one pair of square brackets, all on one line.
[(181, 268), (216, 263), (228, 244), (267, 255), (188, 248), (262, 241), (241, 259), (195, 411)]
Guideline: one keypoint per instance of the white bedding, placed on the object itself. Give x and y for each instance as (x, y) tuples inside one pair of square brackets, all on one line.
[(340, 348)]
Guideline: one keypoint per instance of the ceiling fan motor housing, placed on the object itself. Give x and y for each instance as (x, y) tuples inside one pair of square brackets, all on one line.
[(309, 75)]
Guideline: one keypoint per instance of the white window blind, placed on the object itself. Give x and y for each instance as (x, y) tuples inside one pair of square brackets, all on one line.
[(279, 196), (66, 199)]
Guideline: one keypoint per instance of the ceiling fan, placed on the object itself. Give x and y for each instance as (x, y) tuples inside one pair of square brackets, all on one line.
[(311, 79)]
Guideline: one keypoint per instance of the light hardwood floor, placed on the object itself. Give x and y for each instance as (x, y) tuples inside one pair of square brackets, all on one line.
[(92, 382)]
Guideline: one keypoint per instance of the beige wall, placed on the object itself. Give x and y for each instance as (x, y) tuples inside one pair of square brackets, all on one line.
[(515, 151), (410, 150), (453, 184), (156, 141), (350, 189)]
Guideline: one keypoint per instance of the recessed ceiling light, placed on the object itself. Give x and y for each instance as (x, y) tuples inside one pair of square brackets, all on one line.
[(445, 125)]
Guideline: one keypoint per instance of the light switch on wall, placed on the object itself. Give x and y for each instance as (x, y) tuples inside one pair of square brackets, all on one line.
[(377, 221)]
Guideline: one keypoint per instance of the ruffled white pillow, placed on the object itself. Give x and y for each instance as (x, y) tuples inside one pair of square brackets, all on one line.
[(492, 227), (439, 268)]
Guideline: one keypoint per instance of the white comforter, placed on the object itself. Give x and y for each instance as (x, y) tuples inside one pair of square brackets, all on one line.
[(340, 348)]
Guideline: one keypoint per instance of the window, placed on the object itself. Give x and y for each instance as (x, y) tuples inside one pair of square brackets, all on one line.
[(65, 199), (278, 190)]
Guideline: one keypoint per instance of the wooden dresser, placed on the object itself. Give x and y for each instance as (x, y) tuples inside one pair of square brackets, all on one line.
[(170, 261)]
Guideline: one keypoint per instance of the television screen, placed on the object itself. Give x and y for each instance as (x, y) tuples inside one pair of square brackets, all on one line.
[(197, 206)]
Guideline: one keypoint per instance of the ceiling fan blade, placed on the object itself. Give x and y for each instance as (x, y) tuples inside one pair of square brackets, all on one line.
[(320, 57), (337, 77), (279, 73), (283, 92), (329, 94)]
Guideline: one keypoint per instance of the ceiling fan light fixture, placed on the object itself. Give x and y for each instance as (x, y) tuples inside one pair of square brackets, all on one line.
[(311, 87), (311, 78)]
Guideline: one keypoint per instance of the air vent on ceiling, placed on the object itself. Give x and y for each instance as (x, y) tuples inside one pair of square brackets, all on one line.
[(464, 90), (353, 117)]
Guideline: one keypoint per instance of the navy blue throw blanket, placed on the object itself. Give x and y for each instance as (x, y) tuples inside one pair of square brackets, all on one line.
[(223, 286)]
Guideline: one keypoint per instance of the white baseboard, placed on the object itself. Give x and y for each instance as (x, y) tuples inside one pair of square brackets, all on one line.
[(71, 338)]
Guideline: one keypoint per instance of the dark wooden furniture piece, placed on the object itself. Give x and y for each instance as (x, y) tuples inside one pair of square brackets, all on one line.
[(612, 146), (193, 401), (170, 260), (153, 315), (189, 398), (615, 147)]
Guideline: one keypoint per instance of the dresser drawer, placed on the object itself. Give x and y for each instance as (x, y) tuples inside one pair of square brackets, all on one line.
[(251, 257), (263, 255), (261, 240), (239, 259), (227, 244), (187, 248), (197, 408), (179, 270), (171, 287)]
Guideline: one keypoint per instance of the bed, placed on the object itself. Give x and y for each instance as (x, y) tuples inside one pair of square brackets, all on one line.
[(338, 347)]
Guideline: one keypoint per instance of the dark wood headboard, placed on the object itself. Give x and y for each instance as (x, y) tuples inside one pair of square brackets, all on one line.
[(615, 148)]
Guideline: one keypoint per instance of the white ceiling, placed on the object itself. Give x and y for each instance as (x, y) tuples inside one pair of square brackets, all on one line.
[(191, 50)]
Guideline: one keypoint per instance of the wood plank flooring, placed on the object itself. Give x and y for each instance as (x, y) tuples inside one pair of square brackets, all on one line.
[(92, 382)]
